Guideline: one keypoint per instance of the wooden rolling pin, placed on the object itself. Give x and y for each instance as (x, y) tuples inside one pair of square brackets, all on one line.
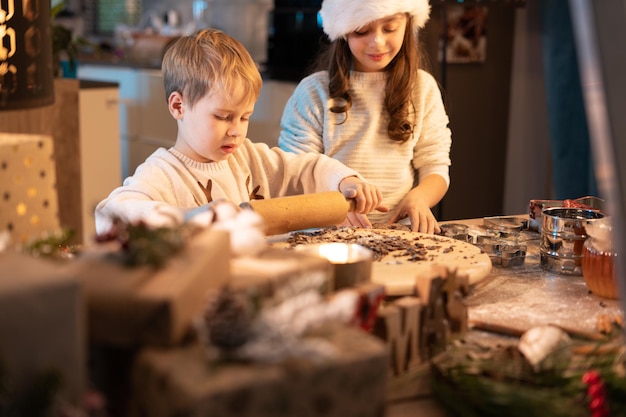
[(286, 214)]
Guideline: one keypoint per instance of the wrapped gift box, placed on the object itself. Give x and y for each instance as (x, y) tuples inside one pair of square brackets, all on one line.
[(42, 326), (123, 314), (29, 206), (129, 307), (182, 382)]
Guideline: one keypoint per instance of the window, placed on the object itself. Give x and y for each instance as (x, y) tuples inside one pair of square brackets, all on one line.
[(101, 16)]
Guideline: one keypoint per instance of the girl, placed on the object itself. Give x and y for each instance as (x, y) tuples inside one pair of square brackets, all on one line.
[(371, 107)]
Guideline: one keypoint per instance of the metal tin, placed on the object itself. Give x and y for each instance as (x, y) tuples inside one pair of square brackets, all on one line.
[(563, 235), (536, 207)]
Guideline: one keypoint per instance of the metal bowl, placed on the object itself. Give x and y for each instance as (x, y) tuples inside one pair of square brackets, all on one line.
[(352, 263), (563, 235)]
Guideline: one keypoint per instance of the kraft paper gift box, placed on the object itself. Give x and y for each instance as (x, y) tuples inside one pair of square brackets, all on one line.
[(133, 306), (42, 325), (182, 382), (29, 203), (277, 272), (188, 381)]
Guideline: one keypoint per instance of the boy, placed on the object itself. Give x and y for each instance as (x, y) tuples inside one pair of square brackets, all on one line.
[(211, 84)]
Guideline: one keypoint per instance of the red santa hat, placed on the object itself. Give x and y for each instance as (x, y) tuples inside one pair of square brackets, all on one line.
[(340, 17)]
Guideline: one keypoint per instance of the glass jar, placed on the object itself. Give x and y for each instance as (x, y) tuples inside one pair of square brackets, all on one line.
[(598, 262)]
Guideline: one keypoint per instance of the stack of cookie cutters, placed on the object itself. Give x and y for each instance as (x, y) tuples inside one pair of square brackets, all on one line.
[(501, 242), (536, 207), (500, 239)]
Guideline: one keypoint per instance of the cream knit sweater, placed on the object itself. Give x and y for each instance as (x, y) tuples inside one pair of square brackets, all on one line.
[(362, 142), (168, 179)]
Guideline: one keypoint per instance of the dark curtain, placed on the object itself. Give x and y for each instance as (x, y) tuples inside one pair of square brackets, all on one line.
[(572, 165)]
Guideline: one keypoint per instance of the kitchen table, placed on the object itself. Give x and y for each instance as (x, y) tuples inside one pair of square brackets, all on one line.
[(511, 300)]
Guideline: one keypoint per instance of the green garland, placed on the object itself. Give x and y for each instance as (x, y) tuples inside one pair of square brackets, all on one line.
[(54, 246), (141, 244), (473, 380)]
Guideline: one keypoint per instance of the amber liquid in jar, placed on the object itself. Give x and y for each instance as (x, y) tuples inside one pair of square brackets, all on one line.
[(598, 270)]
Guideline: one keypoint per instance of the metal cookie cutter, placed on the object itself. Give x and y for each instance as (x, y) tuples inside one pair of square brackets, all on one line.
[(504, 226), (457, 231), (502, 252)]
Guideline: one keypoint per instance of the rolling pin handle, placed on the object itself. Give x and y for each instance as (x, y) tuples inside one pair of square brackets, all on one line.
[(298, 212)]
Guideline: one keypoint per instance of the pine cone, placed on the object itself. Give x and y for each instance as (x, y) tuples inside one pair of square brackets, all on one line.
[(228, 319)]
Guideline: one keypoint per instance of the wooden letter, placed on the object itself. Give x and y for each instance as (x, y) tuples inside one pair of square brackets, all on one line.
[(399, 325)]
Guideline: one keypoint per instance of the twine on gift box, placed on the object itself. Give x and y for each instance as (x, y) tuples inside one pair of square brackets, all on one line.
[(232, 329)]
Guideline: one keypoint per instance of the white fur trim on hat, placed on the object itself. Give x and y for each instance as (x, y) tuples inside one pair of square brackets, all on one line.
[(340, 17)]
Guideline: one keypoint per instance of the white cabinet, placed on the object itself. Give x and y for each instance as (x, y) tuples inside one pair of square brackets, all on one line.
[(145, 122), (100, 153)]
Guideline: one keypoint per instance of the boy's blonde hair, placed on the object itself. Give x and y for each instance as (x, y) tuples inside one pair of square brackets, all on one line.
[(209, 59)]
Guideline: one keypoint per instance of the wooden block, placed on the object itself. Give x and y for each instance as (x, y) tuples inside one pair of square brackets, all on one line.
[(181, 382), (388, 327), (455, 288), (417, 328), (42, 325), (135, 306), (445, 313), (399, 325), (434, 330)]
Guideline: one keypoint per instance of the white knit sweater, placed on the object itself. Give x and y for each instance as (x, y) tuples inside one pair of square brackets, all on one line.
[(169, 179), (362, 141)]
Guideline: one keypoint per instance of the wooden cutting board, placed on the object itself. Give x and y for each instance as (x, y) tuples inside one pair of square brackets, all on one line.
[(393, 266)]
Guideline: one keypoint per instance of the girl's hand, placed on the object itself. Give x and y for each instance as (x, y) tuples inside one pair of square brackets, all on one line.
[(367, 196), (422, 218), (417, 203)]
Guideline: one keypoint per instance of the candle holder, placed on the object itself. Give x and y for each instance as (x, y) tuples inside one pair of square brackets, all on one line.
[(352, 263), (26, 76)]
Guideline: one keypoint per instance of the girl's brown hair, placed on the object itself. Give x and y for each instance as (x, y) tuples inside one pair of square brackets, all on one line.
[(401, 78)]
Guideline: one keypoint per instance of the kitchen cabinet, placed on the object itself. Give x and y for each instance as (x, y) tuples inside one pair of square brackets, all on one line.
[(100, 151), (145, 123)]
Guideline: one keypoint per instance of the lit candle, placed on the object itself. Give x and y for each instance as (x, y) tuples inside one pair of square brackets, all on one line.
[(352, 263)]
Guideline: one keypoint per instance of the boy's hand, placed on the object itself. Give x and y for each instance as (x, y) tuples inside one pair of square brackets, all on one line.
[(367, 196), (355, 219)]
